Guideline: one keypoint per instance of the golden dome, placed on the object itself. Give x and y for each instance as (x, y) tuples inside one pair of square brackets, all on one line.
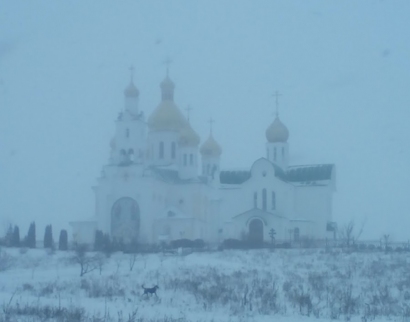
[(167, 117), (277, 132), (188, 137), (131, 90), (211, 148)]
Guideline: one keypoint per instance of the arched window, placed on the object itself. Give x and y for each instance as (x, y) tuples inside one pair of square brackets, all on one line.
[(123, 156), (255, 200), (173, 150), (127, 133), (131, 155), (296, 234), (185, 159), (161, 150), (264, 201), (273, 200), (125, 220)]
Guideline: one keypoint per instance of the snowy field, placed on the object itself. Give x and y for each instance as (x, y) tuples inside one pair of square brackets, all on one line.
[(255, 285)]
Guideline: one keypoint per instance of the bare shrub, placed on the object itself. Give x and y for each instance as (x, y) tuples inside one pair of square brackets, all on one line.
[(6, 261), (108, 287), (42, 313), (87, 263)]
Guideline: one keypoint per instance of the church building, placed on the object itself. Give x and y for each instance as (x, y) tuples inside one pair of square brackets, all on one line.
[(161, 184)]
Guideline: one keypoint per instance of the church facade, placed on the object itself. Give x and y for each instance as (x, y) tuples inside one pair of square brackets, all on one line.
[(160, 184)]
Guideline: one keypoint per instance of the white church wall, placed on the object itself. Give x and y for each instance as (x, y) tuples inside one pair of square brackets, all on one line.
[(312, 204), (126, 183), (130, 135)]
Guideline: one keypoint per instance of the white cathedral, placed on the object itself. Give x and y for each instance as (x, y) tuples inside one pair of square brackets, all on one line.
[(160, 184)]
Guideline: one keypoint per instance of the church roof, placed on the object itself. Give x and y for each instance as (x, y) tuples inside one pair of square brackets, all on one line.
[(277, 131), (240, 176), (234, 177), (306, 174), (167, 117), (171, 175), (309, 173)]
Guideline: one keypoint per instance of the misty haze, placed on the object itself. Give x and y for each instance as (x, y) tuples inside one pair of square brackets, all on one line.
[(204, 161)]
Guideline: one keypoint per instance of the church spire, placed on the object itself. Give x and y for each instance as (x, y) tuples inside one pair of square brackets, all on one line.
[(131, 90), (167, 85), (211, 121)]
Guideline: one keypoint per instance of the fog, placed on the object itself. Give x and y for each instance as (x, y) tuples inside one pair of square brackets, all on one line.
[(342, 69)]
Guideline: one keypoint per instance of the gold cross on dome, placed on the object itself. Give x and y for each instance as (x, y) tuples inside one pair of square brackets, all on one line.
[(211, 121), (277, 95), (188, 111), (132, 71), (168, 62)]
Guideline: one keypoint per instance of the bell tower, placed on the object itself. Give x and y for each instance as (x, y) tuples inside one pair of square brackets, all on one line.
[(277, 134)]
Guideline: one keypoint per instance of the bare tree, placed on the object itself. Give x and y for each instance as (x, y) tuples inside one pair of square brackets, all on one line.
[(386, 242), (348, 234), (87, 263), (132, 257)]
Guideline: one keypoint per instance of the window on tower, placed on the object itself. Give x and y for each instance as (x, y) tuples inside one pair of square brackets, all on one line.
[(185, 159), (161, 150), (127, 133), (264, 201), (255, 200), (173, 150), (273, 200)]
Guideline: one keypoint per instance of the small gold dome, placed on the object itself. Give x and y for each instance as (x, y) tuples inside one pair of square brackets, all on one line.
[(167, 117), (188, 137), (167, 83), (131, 90), (277, 132), (211, 148)]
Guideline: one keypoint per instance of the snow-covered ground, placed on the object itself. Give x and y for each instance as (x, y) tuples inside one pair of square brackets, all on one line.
[(255, 285)]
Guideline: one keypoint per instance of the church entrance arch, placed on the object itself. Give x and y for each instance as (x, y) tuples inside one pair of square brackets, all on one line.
[(125, 220), (256, 231)]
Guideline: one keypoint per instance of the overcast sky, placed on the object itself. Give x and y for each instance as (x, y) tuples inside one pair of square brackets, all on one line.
[(342, 67)]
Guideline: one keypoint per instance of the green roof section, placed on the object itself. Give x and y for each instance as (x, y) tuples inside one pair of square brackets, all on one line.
[(309, 173), (234, 177), (299, 173)]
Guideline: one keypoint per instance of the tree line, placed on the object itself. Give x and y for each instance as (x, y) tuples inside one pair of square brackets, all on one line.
[(13, 239)]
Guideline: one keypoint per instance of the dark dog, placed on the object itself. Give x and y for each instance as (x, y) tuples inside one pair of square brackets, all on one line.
[(150, 290)]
